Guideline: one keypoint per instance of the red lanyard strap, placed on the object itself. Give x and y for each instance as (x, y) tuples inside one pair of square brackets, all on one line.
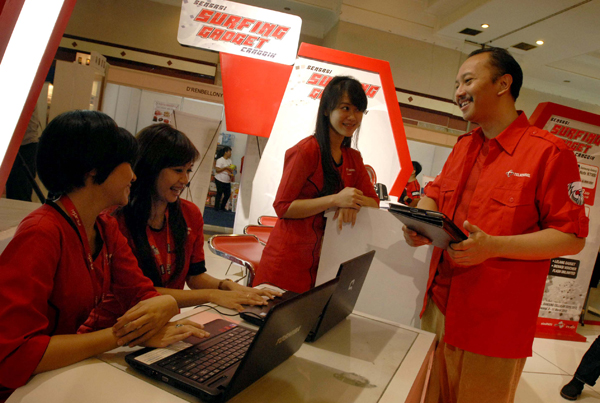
[(99, 293), (156, 251)]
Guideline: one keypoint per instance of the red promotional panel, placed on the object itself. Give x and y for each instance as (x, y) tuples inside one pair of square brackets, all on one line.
[(252, 92), (569, 277)]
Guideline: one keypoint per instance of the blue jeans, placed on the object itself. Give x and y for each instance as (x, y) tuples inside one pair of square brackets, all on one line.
[(589, 367)]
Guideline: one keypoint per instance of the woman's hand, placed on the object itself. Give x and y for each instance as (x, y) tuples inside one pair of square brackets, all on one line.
[(349, 198), (413, 238), (233, 286), (144, 320), (344, 215), (173, 332), (235, 299)]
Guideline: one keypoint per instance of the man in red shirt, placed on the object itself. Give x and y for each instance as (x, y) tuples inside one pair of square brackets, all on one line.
[(515, 191), (412, 192)]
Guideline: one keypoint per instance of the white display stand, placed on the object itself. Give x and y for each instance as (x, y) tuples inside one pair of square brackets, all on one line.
[(395, 286)]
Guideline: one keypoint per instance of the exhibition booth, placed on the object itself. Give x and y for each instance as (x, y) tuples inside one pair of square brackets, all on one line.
[(267, 102)]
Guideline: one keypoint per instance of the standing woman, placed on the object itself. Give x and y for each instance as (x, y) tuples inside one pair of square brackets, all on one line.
[(319, 173), (165, 232), (223, 178), (66, 256)]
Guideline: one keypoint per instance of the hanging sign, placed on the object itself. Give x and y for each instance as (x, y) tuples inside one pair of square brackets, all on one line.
[(569, 277), (239, 29)]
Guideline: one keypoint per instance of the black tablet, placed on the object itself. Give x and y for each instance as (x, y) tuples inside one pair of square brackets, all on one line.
[(431, 224)]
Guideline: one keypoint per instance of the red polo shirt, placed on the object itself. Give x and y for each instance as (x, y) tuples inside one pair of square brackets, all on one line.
[(523, 187)]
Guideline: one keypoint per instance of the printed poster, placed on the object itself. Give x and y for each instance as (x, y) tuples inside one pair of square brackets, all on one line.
[(163, 112), (569, 276)]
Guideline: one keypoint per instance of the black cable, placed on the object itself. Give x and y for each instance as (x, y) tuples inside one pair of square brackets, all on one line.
[(212, 307)]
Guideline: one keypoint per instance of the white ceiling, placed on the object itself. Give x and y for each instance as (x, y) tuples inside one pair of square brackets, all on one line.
[(568, 64)]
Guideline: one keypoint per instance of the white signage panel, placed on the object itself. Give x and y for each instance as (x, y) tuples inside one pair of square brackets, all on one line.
[(239, 29)]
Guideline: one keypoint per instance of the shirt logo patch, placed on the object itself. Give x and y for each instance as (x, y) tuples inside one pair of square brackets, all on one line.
[(576, 192), (512, 173), (349, 171)]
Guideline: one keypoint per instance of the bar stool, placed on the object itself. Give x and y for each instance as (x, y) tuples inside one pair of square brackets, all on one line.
[(261, 231), (267, 220), (244, 250)]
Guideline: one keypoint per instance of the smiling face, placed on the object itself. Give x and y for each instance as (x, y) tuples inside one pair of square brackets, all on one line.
[(477, 89), (345, 118), (118, 185), (171, 182)]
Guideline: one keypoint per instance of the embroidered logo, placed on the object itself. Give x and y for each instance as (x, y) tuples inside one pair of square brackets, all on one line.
[(512, 173), (349, 171), (576, 192)]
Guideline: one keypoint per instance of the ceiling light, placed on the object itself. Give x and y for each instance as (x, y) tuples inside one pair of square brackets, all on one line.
[(485, 26), (540, 42)]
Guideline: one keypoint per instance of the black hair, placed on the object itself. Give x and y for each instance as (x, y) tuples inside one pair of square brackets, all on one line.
[(504, 63), (222, 151), (417, 167), (76, 143), (332, 94), (161, 146)]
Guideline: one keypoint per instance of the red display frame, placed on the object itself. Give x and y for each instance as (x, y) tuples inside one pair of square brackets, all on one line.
[(253, 89)]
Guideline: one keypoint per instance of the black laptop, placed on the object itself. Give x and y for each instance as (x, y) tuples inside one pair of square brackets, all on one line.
[(352, 275), (234, 357)]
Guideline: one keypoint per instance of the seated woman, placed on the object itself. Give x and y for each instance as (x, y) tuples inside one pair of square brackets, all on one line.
[(165, 232), (66, 256), (321, 172)]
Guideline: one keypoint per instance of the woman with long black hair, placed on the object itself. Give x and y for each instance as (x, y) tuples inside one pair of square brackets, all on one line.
[(320, 172), (166, 232)]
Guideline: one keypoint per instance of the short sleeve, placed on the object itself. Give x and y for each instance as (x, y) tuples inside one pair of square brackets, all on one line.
[(298, 166), (560, 196), (27, 282), (196, 226)]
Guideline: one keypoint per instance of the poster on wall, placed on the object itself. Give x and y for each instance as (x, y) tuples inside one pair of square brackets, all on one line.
[(239, 29), (569, 276), (163, 112)]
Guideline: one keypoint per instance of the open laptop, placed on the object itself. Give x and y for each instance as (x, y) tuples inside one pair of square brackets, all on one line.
[(203, 370), (352, 275)]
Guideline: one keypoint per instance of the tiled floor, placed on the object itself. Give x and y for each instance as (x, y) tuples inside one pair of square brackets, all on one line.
[(553, 363)]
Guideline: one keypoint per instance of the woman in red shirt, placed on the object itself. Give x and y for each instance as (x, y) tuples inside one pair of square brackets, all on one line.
[(166, 232), (320, 172), (65, 257)]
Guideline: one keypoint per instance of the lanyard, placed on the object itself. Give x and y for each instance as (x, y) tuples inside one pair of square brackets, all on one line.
[(99, 291), (154, 247)]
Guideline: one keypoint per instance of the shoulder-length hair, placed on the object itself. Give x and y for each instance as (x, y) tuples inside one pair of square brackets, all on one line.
[(77, 142), (332, 94), (161, 146)]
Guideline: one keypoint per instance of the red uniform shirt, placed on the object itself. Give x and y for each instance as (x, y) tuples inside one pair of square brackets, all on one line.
[(47, 288), (194, 245), (291, 257), (525, 185), (413, 190), (110, 309)]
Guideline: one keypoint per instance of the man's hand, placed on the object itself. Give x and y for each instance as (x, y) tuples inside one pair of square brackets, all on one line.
[(413, 238), (478, 248)]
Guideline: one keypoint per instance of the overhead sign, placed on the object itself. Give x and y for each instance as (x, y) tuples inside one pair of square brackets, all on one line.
[(225, 26)]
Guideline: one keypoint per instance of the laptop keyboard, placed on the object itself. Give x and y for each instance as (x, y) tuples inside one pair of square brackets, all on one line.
[(200, 363)]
